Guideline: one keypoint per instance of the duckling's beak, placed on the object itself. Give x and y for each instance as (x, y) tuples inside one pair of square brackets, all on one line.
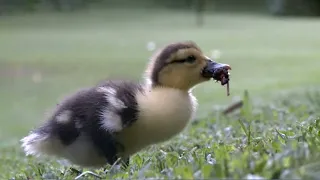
[(215, 70)]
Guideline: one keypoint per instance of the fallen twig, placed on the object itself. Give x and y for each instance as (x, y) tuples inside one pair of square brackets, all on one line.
[(233, 107)]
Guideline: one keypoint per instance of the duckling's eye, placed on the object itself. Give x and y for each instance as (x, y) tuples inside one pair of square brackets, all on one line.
[(190, 59)]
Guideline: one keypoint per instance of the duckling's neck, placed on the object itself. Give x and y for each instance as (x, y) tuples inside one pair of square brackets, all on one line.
[(160, 102), (163, 113)]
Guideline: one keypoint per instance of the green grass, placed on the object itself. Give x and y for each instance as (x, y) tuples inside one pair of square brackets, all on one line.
[(270, 58)]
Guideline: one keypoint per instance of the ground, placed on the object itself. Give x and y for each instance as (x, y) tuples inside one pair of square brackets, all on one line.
[(47, 56)]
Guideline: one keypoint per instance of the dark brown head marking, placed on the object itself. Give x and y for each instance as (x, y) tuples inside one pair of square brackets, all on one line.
[(164, 55)]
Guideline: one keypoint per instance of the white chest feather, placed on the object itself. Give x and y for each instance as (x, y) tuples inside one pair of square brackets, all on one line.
[(163, 114)]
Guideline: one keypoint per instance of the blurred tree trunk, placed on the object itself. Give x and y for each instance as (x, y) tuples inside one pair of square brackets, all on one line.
[(2, 4), (200, 4), (69, 5), (56, 5)]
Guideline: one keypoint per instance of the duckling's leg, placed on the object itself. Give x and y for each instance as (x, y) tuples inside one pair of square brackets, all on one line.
[(106, 144), (124, 161)]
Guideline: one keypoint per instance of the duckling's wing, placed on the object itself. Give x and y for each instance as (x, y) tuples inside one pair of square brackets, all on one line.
[(83, 125)]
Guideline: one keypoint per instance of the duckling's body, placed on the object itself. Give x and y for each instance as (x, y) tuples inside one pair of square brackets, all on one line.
[(164, 112), (116, 119)]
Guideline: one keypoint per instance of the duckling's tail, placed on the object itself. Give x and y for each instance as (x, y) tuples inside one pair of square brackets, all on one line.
[(39, 144)]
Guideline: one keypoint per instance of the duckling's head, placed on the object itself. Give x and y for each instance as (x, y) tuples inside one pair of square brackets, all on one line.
[(181, 65)]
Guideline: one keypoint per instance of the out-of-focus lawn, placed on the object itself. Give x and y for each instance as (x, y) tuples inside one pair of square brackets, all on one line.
[(46, 56), (79, 49)]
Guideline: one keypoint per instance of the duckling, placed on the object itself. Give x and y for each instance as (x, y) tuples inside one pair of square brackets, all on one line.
[(117, 118)]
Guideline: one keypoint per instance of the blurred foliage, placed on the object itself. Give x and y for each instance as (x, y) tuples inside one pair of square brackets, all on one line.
[(294, 7), (276, 7)]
